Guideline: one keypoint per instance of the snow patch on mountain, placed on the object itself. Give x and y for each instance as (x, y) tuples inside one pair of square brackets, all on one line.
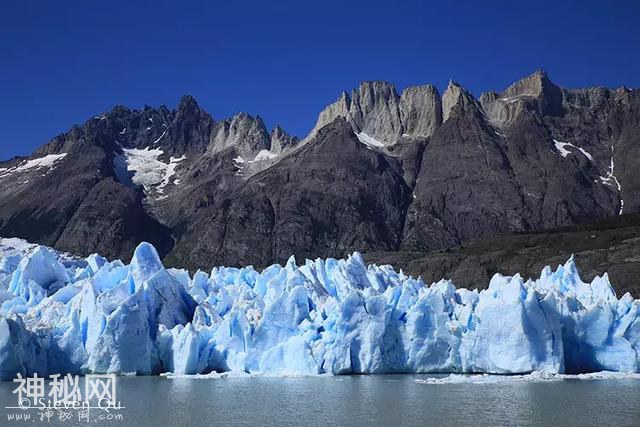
[(561, 147), (169, 172), (512, 99), (147, 171), (611, 179), (159, 138), (48, 161), (259, 162), (143, 167), (369, 141), (264, 155)]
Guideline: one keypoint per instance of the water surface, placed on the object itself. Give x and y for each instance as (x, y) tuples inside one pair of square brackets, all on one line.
[(358, 400)]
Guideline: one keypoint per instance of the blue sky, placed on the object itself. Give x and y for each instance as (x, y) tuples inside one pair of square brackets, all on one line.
[(62, 62)]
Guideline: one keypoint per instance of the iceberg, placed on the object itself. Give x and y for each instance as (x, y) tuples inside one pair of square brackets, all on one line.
[(63, 315), (536, 376)]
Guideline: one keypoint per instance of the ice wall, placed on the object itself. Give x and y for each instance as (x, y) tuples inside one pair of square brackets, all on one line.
[(326, 316)]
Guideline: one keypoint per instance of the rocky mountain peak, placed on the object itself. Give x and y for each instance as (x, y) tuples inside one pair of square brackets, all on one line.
[(277, 131), (187, 128), (369, 92), (120, 111), (247, 134), (187, 102), (455, 95), (339, 108), (281, 140), (420, 110), (535, 85), (427, 90), (186, 187), (344, 99), (535, 90), (375, 111), (623, 93), (242, 121)]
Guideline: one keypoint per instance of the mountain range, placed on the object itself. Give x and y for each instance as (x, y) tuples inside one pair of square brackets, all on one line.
[(380, 172)]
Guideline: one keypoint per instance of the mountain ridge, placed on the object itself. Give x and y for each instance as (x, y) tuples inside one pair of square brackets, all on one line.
[(445, 169)]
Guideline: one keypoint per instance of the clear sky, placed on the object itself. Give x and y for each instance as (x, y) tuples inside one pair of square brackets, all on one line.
[(62, 62)]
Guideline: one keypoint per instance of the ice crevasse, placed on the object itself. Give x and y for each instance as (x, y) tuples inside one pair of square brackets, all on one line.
[(326, 316)]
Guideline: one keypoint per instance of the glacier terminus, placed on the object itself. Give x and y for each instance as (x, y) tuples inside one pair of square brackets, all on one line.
[(62, 314)]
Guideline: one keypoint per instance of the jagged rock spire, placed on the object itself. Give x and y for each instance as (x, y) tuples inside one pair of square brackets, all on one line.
[(247, 134), (455, 95), (281, 140)]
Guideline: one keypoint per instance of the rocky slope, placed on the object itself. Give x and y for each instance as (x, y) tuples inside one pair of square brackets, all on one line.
[(611, 245), (380, 171)]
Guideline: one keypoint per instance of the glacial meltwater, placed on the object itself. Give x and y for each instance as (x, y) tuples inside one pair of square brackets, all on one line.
[(351, 400)]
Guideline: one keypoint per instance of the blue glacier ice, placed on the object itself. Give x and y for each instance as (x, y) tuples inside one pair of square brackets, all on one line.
[(66, 315)]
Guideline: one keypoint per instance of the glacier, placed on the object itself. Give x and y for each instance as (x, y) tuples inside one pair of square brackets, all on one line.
[(63, 314)]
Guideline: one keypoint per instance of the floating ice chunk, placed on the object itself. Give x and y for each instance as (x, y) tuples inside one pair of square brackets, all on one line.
[(536, 376)]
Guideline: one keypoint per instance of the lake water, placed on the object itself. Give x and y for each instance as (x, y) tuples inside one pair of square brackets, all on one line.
[(387, 400)]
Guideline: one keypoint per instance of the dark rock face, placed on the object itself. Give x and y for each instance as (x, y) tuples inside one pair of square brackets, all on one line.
[(480, 176), (611, 246), (76, 204), (111, 220), (453, 200), (380, 171), (332, 196)]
